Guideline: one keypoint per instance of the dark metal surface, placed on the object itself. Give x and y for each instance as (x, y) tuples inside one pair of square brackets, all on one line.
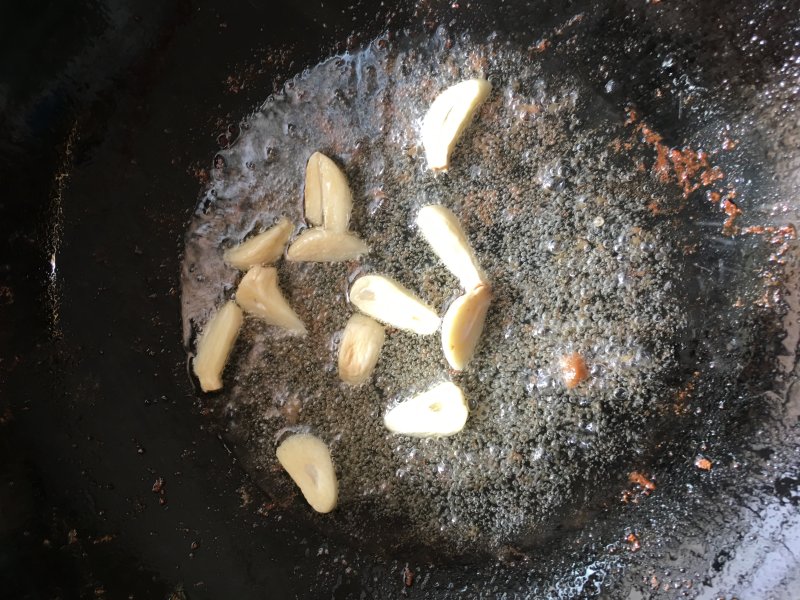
[(108, 111)]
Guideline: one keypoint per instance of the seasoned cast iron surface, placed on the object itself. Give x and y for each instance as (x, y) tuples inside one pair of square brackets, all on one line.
[(118, 482)]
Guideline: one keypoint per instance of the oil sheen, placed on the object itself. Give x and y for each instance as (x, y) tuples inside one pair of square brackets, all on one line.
[(560, 223)]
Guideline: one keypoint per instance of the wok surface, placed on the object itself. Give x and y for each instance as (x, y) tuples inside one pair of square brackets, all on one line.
[(109, 112)]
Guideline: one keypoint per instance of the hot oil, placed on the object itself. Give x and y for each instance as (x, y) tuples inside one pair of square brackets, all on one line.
[(560, 223)]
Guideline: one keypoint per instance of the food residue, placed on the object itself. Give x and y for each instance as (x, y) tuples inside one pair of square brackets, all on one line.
[(701, 462), (639, 479), (690, 169), (573, 370)]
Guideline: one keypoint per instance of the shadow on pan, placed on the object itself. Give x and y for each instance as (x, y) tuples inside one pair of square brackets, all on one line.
[(114, 485)]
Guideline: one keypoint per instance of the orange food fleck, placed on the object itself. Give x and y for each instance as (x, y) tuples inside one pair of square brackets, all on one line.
[(690, 168), (408, 576), (543, 45), (641, 480), (687, 163), (573, 370), (711, 175), (701, 462), (728, 144), (779, 236), (685, 393), (661, 166), (733, 212), (633, 540)]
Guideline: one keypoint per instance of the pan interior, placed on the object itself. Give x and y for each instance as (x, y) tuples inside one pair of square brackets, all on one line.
[(591, 245)]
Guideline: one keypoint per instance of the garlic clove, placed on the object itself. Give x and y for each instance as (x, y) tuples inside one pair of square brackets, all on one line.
[(215, 344), (437, 412), (462, 326), (328, 201), (321, 245), (308, 462), (441, 229), (388, 301), (448, 117), (312, 191), (264, 248), (360, 348), (259, 294)]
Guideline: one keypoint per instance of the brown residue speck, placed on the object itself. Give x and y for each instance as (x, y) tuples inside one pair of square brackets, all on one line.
[(408, 576), (633, 540), (291, 410), (701, 462), (733, 212), (573, 370), (683, 394), (779, 236), (642, 481), (159, 486), (689, 168), (711, 175), (542, 45), (103, 539), (729, 144)]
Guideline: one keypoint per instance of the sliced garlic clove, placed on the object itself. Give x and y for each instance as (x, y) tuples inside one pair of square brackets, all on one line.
[(448, 116), (462, 326), (360, 348), (264, 248), (441, 229), (438, 412), (321, 245), (215, 345), (388, 301), (259, 294), (328, 201), (312, 192), (308, 462)]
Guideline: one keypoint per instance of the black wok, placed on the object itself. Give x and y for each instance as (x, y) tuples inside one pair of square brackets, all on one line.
[(114, 482)]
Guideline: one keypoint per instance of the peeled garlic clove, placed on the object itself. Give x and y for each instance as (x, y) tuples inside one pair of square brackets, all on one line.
[(264, 248), (258, 293), (448, 116), (308, 462), (360, 348), (328, 201), (438, 412), (441, 229), (388, 301), (321, 245), (215, 344), (312, 193), (462, 326)]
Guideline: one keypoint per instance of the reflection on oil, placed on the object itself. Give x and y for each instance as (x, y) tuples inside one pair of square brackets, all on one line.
[(55, 230)]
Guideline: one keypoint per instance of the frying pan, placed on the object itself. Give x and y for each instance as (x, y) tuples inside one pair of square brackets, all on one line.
[(115, 484)]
